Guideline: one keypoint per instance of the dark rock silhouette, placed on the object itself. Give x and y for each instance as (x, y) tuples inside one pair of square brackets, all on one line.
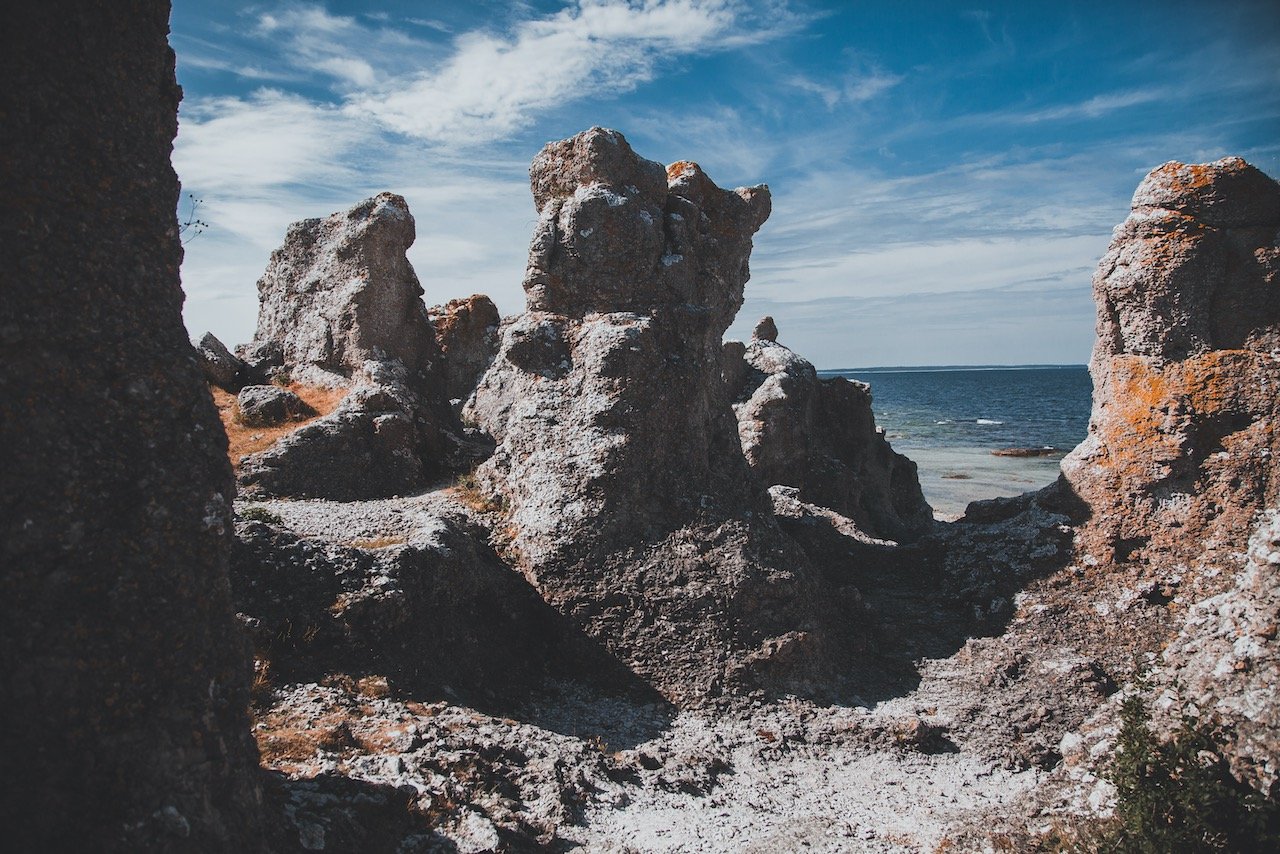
[(124, 676)]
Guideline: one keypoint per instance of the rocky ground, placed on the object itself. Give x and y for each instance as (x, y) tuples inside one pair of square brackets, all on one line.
[(939, 747)]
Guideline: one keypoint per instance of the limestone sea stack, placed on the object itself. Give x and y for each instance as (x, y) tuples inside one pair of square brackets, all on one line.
[(631, 507), (1183, 437)]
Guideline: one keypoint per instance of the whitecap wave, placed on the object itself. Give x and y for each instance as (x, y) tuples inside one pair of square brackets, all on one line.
[(988, 421), (945, 421)]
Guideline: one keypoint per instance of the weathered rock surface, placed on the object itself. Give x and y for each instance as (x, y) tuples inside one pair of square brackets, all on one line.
[(1186, 421), (442, 616), (340, 305), (220, 366), (340, 292), (631, 507), (467, 331), (124, 677), (269, 405), (820, 436), (1226, 660)]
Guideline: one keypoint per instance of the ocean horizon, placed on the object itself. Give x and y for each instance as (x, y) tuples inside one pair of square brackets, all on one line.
[(950, 419)]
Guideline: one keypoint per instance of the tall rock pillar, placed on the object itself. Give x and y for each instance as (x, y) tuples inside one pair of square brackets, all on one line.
[(123, 724)]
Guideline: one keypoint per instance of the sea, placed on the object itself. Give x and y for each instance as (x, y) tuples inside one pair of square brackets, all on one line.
[(950, 419)]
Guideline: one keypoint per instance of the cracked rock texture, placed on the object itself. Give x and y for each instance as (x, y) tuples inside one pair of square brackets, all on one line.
[(340, 292), (1184, 431), (630, 506), (820, 436), (124, 676), (1226, 659)]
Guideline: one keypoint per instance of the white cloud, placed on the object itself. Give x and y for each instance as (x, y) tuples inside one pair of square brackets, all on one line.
[(492, 85), (268, 139)]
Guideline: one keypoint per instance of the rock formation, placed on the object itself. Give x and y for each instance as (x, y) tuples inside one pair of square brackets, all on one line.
[(340, 305), (125, 679), (1226, 659), (467, 331), (631, 508), (1185, 427), (820, 436), (340, 292), (220, 366), (269, 405)]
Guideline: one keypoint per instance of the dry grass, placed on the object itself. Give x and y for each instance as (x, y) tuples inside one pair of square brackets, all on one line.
[(380, 542), (242, 440)]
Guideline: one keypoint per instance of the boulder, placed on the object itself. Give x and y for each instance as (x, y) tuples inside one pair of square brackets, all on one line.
[(820, 436), (629, 504), (1183, 435), (381, 440), (124, 675), (766, 330), (270, 405), (467, 331), (219, 366)]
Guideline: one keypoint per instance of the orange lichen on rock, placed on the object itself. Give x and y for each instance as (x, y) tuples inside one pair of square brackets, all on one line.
[(1152, 401), (243, 440)]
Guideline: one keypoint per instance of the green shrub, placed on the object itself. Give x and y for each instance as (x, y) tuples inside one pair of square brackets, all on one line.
[(257, 513), (1179, 795)]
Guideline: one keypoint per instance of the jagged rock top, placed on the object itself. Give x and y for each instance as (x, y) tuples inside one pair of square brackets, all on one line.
[(617, 232), (1227, 193), (340, 291), (1193, 268), (766, 330)]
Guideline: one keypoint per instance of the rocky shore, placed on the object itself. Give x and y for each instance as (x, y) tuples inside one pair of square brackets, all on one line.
[(588, 576)]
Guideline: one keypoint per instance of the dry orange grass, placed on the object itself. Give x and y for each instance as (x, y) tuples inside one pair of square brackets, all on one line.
[(242, 440)]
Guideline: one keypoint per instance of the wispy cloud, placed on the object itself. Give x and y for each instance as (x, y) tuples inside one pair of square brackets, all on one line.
[(492, 85)]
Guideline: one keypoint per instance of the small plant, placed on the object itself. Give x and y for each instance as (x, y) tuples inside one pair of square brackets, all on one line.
[(468, 490), (260, 687), (1175, 795), (190, 227), (258, 513)]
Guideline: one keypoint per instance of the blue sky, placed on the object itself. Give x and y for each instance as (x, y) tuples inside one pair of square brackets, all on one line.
[(945, 176)]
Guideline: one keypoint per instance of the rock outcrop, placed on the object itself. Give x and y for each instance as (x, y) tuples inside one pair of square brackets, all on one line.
[(467, 331), (340, 292), (630, 505), (1185, 429), (1226, 660), (269, 405), (340, 305), (124, 676), (820, 436), (220, 366)]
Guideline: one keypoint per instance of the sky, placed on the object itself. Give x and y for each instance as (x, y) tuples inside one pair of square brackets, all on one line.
[(945, 176)]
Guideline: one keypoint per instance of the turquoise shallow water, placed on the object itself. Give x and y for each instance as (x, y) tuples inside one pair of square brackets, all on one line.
[(949, 420)]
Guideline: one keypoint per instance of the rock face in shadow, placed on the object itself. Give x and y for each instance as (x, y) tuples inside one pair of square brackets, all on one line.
[(467, 331), (124, 676), (631, 508), (820, 436), (340, 305), (1182, 444)]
